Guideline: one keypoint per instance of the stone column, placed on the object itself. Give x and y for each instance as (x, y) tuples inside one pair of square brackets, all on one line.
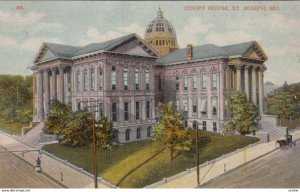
[(60, 85), (246, 73), (53, 84), (46, 92), (40, 104), (229, 83), (238, 78), (261, 90), (253, 75)]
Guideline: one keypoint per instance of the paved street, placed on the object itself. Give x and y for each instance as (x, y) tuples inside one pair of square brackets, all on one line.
[(16, 173), (280, 169)]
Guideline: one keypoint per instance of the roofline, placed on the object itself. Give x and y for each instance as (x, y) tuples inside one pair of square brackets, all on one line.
[(196, 60), (100, 51), (130, 54)]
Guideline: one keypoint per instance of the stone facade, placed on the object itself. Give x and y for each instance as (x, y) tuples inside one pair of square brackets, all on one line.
[(126, 79)]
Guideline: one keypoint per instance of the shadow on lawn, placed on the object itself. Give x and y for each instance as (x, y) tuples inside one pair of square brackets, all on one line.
[(137, 167)]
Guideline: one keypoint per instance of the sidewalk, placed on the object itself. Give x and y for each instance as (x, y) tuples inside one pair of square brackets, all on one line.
[(64, 173), (221, 165)]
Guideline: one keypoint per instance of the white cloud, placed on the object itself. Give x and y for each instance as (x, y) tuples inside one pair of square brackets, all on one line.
[(33, 44), (16, 18), (192, 30), (232, 37), (92, 35), (31, 22), (6, 41)]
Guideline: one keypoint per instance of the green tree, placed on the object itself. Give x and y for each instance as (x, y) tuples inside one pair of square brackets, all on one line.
[(78, 129), (283, 104), (105, 137), (170, 130), (244, 113), (58, 117)]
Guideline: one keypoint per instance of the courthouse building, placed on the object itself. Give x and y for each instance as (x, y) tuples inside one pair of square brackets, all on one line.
[(127, 78)]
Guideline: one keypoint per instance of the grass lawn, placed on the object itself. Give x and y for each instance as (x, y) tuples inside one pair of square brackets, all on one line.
[(142, 163), (11, 128)]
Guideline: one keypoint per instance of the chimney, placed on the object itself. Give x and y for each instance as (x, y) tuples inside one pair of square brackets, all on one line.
[(189, 52)]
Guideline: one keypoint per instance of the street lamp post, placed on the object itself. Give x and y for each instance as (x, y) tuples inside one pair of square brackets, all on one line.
[(197, 152), (94, 146)]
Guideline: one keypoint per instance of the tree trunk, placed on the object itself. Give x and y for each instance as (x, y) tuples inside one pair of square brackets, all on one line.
[(171, 153)]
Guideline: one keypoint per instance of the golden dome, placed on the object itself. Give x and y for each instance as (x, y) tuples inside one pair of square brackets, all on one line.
[(161, 35)]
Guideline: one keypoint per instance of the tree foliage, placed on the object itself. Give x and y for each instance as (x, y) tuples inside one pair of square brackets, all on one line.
[(16, 98), (284, 102), (78, 129), (170, 130), (58, 117), (244, 113), (105, 135)]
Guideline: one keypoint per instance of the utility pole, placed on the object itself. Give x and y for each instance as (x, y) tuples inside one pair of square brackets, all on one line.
[(197, 152), (94, 151)]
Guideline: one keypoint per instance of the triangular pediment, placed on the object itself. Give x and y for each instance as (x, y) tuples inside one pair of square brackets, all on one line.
[(255, 52), (135, 46), (44, 54)]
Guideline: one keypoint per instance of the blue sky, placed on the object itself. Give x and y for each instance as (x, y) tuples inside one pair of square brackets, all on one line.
[(22, 30)]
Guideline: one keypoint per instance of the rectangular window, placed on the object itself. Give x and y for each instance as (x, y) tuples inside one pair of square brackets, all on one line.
[(125, 79), (204, 125), (147, 79), (185, 106), (195, 84), (204, 81), (137, 110), (194, 106), (92, 79), (77, 81), (100, 79), (69, 81), (214, 79), (186, 124), (214, 126), (148, 109), (85, 80), (137, 79), (113, 79), (177, 83), (186, 79), (126, 111), (159, 83), (114, 112), (100, 110)]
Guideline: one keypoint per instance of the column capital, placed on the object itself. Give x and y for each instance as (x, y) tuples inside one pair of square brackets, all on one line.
[(261, 69), (247, 67), (238, 67)]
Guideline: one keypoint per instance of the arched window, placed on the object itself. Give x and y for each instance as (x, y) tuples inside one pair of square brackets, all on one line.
[(138, 133), (149, 131), (214, 79), (214, 110), (204, 80), (137, 78), (127, 135), (78, 80), (92, 74), (147, 80), (85, 80), (125, 78), (113, 78), (100, 79)]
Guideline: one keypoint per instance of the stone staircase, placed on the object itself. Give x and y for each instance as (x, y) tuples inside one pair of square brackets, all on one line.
[(36, 138), (267, 125)]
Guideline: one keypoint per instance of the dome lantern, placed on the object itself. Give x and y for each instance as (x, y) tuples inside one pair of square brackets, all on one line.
[(161, 35)]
